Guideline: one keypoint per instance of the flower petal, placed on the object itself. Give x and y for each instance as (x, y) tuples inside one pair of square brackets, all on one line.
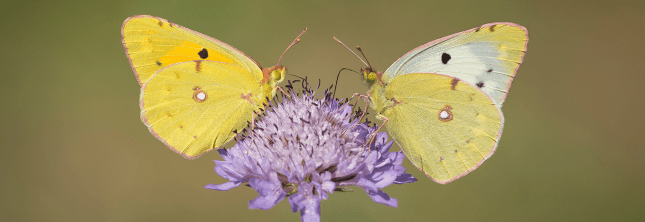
[(224, 154), (367, 185), (270, 194), (223, 187), (308, 205), (266, 202), (228, 170), (383, 177), (382, 197), (311, 213), (329, 186), (405, 178)]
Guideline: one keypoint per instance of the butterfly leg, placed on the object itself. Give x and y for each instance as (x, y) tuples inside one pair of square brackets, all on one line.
[(283, 92), (359, 97), (384, 120), (348, 100), (379, 128), (365, 97)]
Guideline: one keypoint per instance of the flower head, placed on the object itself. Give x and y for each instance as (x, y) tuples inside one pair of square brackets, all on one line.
[(305, 149)]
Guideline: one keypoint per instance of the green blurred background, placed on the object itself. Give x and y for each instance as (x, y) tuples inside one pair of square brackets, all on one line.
[(74, 148)]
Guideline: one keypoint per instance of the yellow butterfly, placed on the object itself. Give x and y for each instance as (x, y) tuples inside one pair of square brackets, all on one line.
[(442, 101), (196, 91)]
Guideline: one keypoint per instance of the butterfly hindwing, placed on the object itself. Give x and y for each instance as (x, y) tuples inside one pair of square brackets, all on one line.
[(446, 127), (486, 57), (152, 43), (196, 106)]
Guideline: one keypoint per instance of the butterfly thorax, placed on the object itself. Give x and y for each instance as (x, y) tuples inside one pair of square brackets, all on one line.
[(378, 101)]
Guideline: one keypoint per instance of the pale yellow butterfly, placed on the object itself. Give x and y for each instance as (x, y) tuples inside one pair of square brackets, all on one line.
[(442, 101)]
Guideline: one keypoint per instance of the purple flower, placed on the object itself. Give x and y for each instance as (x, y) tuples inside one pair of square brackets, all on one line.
[(305, 149)]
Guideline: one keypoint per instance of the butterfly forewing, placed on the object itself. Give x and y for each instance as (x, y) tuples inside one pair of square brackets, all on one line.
[(152, 43), (486, 57)]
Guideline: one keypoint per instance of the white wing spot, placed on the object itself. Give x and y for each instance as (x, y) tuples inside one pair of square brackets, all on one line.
[(201, 96), (444, 114)]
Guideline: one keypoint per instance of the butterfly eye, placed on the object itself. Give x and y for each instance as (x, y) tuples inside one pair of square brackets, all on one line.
[(278, 74), (370, 77)]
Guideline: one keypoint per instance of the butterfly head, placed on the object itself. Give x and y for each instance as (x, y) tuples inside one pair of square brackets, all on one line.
[(370, 76), (277, 75), (272, 76)]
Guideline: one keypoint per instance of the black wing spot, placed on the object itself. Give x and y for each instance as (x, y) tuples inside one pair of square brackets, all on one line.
[(158, 63), (492, 28), (203, 54), (480, 84), (489, 70), (445, 58)]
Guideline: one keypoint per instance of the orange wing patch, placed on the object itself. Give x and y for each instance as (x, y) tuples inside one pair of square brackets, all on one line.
[(189, 51)]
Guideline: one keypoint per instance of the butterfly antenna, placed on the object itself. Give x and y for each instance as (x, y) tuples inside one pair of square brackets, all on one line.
[(351, 51), (295, 76), (334, 94), (368, 62), (295, 41)]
